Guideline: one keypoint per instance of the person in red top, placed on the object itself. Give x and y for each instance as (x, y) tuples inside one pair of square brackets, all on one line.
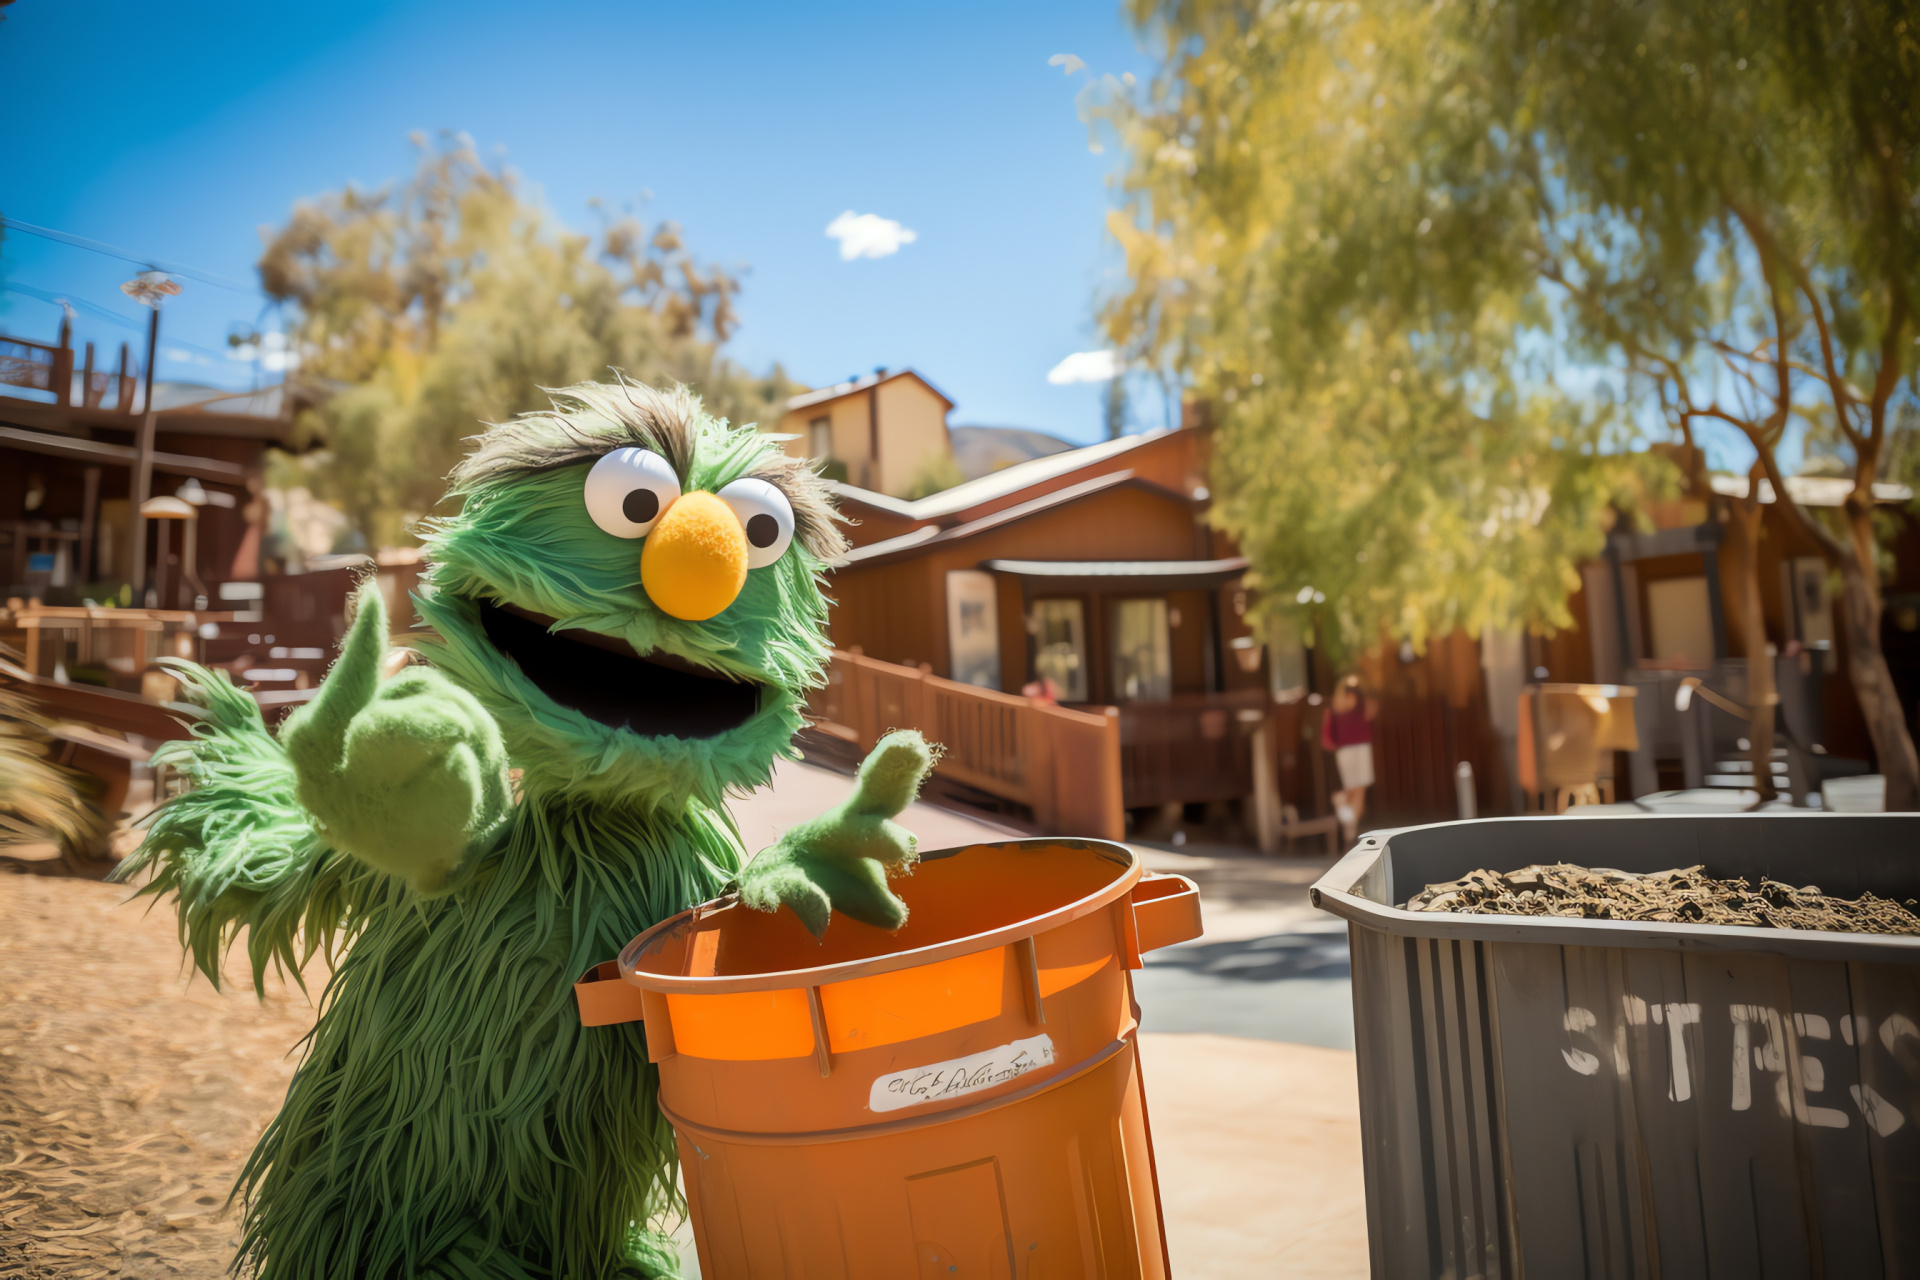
[(1347, 730)]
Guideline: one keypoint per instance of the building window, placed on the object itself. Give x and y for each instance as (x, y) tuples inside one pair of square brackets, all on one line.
[(820, 438), (1681, 614), (973, 628), (1060, 647), (1142, 652)]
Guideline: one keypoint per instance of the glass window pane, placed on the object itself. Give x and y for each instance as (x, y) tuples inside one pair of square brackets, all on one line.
[(1142, 651), (1060, 647)]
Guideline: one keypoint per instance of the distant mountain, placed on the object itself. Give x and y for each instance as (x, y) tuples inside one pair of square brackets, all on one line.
[(982, 451)]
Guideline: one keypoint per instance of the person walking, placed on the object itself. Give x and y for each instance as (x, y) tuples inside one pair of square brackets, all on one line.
[(1346, 729)]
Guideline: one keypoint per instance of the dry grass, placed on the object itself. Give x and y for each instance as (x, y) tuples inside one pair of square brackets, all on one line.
[(129, 1096)]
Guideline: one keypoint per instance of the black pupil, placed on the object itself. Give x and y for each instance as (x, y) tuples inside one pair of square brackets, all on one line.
[(763, 531), (641, 506)]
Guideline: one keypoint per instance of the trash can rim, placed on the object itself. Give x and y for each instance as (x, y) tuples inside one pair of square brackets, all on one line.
[(782, 979), (1336, 892)]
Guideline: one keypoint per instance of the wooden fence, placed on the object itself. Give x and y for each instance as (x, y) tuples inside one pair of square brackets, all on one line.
[(1062, 765), (1417, 744)]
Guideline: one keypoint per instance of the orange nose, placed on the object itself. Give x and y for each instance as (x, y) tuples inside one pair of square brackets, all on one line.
[(694, 561)]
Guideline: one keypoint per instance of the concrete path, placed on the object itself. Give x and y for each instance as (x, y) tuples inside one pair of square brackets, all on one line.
[(1258, 1150)]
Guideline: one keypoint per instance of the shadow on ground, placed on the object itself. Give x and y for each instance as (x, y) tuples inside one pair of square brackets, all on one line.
[(1276, 959)]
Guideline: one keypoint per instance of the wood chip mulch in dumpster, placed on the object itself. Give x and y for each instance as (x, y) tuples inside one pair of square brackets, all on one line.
[(1682, 895)]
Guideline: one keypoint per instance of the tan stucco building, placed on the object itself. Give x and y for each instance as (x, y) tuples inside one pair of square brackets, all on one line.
[(880, 432)]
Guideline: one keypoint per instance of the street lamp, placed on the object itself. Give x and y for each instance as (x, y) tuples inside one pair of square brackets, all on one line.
[(149, 289)]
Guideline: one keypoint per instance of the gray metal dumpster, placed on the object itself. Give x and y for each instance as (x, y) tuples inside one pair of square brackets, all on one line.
[(1554, 1097)]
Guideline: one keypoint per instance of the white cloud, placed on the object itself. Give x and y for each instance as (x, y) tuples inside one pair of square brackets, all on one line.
[(1086, 366), (1067, 62), (868, 235)]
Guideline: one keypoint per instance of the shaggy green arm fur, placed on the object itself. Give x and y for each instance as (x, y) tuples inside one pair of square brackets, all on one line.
[(840, 860), (237, 849), (409, 774)]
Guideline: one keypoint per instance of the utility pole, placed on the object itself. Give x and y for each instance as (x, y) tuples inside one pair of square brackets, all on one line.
[(147, 288)]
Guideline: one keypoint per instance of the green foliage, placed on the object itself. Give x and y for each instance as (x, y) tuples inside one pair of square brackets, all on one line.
[(1729, 204), (938, 474), (1383, 241), (452, 301), (1328, 238)]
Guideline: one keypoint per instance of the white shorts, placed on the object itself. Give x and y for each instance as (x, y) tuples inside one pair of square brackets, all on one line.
[(1356, 765)]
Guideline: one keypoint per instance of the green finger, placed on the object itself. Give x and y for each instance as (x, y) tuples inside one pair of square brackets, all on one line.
[(891, 774), (855, 835), (774, 878), (320, 728), (859, 891)]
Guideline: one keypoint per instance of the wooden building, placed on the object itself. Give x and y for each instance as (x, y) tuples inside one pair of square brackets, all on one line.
[(886, 432), (68, 453), (1088, 577)]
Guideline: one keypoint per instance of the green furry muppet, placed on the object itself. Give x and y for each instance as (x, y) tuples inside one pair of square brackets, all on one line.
[(625, 617)]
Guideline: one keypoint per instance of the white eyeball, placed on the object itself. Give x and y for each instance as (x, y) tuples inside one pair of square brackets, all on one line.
[(629, 489), (767, 517)]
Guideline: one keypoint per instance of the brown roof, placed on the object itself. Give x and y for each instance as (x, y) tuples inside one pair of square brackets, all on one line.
[(840, 390)]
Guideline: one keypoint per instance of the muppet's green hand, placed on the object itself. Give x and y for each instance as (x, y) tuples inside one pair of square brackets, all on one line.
[(407, 774), (839, 861)]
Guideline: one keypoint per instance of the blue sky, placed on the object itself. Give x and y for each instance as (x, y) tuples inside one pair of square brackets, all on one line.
[(177, 131)]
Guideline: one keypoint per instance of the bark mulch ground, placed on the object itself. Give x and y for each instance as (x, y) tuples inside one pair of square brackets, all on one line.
[(1683, 895), (129, 1094)]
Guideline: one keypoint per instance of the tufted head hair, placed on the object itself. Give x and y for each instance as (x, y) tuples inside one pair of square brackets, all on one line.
[(591, 419)]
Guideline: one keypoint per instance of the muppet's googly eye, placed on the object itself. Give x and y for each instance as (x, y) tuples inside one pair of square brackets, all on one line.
[(629, 489), (767, 517)]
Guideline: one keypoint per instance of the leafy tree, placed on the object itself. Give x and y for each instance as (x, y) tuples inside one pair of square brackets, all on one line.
[(1387, 440), (428, 310), (1708, 207), (1745, 237)]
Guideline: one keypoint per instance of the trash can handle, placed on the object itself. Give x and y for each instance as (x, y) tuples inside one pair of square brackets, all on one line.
[(1166, 910), (604, 999)]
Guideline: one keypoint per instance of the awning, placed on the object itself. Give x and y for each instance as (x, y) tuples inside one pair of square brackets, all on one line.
[(1120, 575), (217, 470)]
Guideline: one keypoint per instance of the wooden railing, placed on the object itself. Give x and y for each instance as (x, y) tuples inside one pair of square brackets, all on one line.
[(1063, 765), (1189, 748)]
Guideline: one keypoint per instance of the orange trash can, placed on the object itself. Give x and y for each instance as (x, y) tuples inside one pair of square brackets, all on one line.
[(959, 1099)]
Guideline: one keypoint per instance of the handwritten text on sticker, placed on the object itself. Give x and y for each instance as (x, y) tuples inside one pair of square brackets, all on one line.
[(961, 1076)]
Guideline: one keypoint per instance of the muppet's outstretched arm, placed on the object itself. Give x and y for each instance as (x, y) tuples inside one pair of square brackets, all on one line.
[(840, 860), (237, 850), (408, 774)]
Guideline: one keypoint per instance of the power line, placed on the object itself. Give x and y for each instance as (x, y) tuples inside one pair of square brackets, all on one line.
[(79, 304), (105, 313), (171, 268)]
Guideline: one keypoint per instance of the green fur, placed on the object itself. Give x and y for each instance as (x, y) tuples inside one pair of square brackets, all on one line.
[(840, 861), (237, 849), (450, 1116), (408, 774)]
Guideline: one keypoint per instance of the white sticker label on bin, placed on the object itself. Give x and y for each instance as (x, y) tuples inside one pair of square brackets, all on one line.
[(961, 1076)]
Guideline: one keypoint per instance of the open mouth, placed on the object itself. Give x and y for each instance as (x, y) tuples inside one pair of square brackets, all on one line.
[(656, 694)]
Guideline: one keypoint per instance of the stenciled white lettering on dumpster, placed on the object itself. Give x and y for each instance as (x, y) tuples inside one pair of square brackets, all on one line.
[(960, 1076), (1773, 1053)]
